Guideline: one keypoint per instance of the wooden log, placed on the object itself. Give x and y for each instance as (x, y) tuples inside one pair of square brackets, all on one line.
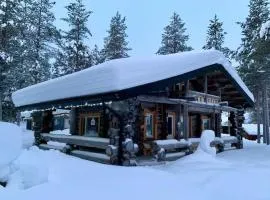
[(97, 157), (171, 146), (128, 145), (111, 150), (99, 143), (161, 155)]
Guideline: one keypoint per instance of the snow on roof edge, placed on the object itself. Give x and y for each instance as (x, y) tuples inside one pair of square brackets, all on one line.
[(120, 74)]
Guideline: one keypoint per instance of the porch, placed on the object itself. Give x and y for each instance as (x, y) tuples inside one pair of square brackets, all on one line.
[(96, 149)]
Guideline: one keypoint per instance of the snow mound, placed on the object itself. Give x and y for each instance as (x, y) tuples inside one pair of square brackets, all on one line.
[(31, 170), (207, 137), (10, 146)]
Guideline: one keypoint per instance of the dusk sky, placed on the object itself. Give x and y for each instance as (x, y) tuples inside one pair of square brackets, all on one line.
[(147, 18)]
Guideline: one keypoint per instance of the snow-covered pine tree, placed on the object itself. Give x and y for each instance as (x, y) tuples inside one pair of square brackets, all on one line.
[(20, 72), (97, 56), (8, 48), (73, 54), (250, 67), (216, 36), (253, 69), (115, 44), (40, 36), (174, 38)]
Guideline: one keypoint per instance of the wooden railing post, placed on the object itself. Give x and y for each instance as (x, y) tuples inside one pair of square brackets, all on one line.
[(186, 122)]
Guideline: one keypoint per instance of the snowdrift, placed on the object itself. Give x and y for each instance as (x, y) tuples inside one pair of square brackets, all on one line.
[(10, 147), (20, 169)]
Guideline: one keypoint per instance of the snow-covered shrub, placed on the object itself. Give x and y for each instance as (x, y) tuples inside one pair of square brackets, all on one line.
[(206, 138)]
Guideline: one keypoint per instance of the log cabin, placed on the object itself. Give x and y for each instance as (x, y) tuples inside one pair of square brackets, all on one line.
[(127, 110)]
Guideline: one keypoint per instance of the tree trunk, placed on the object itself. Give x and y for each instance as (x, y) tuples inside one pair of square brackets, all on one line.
[(1, 108), (266, 114), (258, 116)]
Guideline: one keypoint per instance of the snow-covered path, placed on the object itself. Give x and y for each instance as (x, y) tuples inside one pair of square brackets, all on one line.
[(237, 174)]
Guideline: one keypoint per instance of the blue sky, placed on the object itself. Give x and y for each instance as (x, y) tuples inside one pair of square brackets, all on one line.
[(147, 18)]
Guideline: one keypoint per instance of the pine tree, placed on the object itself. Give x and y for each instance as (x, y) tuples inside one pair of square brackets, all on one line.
[(73, 54), (97, 56), (39, 41), (253, 67), (174, 38), (216, 36), (8, 48), (115, 44), (250, 65)]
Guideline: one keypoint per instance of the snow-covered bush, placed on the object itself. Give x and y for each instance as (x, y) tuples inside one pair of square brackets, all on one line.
[(10, 147), (206, 138)]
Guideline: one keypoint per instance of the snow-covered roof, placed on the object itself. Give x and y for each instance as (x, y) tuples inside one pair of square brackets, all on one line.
[(120, 74)]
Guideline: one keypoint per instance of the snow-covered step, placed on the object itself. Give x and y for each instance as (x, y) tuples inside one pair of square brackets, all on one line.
[(97, 157), (174, 156)]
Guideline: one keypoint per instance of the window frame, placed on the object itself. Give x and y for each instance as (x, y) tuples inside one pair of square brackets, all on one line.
[(147, 113), (83, 119), (172, 115)]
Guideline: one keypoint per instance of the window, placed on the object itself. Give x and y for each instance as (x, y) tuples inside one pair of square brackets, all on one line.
[(149, 132), (170, 124), (91, 126), (206, 124)]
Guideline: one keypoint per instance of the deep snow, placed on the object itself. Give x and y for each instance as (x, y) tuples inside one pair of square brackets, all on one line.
[(236, 174)]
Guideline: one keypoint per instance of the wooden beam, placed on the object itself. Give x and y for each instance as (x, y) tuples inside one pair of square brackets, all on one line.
[(205, 84), (186, 122)]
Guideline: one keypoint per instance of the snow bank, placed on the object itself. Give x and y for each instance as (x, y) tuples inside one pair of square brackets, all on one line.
[(121, 74), (251, 129), (30, 170), (10, 146)]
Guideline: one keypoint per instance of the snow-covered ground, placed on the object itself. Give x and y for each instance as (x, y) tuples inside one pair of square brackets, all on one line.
[(236, 174)]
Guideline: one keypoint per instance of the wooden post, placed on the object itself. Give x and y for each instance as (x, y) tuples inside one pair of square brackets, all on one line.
[(72, 121), (47, 121), (180, 122), (186, 87), (37, 124), (205, 87), (218, 124), (186, 122)]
